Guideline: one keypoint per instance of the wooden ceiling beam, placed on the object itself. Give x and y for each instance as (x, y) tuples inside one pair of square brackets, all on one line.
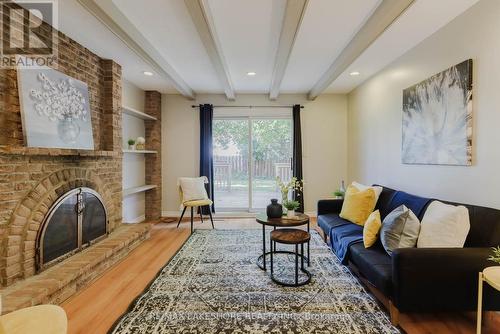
[(294, 13)]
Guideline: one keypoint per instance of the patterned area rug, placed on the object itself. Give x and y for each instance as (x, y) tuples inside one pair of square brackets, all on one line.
[(213, 285)]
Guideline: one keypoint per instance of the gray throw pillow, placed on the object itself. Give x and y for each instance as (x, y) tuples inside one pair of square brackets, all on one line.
[(400, 229)]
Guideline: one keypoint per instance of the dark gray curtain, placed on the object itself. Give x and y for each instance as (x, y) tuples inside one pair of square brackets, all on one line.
[(297, 154), (206, 150)]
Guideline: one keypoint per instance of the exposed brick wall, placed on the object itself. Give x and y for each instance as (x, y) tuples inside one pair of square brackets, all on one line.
[(32, 179), (153, 161)]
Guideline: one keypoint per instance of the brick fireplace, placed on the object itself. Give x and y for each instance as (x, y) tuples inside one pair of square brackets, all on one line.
[(33, 179)]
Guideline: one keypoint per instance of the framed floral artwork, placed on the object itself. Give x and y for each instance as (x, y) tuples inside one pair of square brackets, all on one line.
[(55, 109)]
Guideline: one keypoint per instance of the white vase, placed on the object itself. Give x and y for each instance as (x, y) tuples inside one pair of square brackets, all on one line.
[(131, 147), (290, 213)]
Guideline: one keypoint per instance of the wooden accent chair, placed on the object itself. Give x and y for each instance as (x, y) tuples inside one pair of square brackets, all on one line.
[(198, 203)]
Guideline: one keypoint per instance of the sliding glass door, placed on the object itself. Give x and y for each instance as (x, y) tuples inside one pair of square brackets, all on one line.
[(248, 155)]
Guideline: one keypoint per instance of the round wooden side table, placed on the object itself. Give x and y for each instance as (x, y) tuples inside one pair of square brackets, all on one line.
[(300, 219), (295, 237), (490, 275)]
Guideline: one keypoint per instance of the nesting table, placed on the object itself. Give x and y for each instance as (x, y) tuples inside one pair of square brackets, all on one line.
[(283, 222)]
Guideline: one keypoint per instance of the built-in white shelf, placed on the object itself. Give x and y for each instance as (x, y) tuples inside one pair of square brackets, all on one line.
[(137, 113), (135, 190), (140, 151)]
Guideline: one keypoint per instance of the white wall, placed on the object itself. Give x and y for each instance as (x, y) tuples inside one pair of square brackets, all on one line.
[(375, 112), (324, 141), (133, 164)]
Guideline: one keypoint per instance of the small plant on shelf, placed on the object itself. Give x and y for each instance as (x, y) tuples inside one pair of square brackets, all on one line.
[(291, 206), (131, 144), (495, 257), (339, 194)]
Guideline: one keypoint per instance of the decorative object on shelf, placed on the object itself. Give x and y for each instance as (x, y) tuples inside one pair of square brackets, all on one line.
[(495, 257), (274, 210), (285, 188), (437, 119), (140, 143), (131, 144), (340, 193), (55, 109), (291, 206)]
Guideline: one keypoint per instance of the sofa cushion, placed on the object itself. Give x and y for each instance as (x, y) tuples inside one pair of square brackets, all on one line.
[(371, 229), (362, 187), (326, 222), (384, 200), (374, 264), (400, 229), (416, 204), (444, 225), (358, 205)]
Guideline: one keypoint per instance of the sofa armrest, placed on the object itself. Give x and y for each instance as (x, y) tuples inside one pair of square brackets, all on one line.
[(439, 279), (329, 206)]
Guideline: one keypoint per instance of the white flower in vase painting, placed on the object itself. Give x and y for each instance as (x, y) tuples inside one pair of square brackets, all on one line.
[(55, 109), (437, 118), (60, 102)]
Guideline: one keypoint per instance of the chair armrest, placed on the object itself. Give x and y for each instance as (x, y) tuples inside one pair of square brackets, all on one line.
[(329, 206), (439, 279)]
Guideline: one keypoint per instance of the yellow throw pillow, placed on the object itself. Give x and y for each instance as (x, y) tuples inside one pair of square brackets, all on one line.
[(358, 205), (371, 229)]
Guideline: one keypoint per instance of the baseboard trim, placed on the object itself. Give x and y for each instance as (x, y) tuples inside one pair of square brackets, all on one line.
[(224, 214), (136, 220)]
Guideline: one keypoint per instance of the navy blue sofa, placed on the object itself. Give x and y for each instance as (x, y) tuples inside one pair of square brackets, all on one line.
[(420, 279)]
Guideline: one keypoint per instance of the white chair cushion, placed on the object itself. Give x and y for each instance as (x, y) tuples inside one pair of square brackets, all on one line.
[(444, 225), (193, 188)]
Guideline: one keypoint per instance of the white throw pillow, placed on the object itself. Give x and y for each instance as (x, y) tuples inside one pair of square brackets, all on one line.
[(444, 225), (193, 188), (362, 187)]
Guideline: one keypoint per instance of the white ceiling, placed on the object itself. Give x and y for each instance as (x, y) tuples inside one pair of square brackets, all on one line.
[(248, 32), (327, 27)]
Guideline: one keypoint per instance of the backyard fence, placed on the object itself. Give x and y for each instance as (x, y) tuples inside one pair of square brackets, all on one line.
[(227, 167)]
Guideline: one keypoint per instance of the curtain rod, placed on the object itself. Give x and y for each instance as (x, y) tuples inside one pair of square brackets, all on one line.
[(248, 106)]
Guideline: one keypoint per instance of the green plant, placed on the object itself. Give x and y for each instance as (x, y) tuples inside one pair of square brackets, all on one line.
[(291, 205), (339, 193), (131, 142), (495, 257)]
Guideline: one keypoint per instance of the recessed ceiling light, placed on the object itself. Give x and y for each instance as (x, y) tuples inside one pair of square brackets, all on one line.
[(149, 74), (354, 73), (251, 74)]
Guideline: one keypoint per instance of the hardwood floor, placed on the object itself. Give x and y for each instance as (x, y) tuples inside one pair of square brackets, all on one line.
[(95, 309)]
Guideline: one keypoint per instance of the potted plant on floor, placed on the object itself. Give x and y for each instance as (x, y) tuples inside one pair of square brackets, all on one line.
[(495, 257), (291, 206)]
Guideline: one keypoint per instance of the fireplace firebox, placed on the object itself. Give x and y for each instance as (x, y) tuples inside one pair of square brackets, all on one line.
[(76, 220)]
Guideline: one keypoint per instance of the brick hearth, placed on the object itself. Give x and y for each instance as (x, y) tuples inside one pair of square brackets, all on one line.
[(61, 281)]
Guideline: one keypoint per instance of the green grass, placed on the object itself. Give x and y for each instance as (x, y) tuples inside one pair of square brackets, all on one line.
[(259, 184)]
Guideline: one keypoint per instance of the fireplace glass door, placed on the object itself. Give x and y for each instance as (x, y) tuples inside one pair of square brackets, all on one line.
[(76, 220)]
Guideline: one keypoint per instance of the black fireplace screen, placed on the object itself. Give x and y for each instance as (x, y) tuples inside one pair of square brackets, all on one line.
[(76, 220)]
